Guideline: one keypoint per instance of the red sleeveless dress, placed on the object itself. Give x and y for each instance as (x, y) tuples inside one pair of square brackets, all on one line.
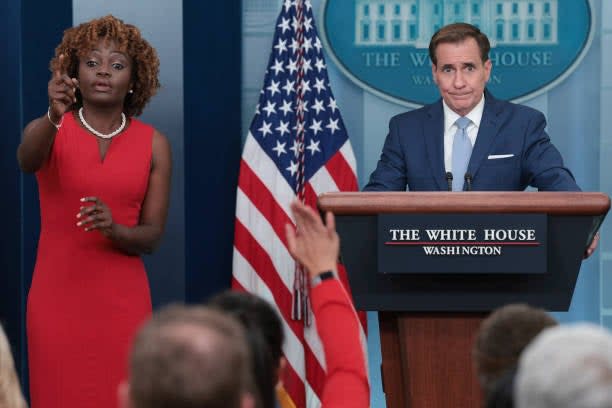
[(87, 298)]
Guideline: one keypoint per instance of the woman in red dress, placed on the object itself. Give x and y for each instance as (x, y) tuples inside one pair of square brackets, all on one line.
[(104, 180)]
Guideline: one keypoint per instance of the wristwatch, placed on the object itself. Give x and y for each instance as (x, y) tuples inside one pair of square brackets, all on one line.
[(321, 277)]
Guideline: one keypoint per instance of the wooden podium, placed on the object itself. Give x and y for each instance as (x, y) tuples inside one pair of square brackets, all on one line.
[(428, 320)]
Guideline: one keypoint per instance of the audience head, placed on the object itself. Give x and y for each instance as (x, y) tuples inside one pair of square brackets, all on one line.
[(264, 332), (503, 336), (187, 357), (10, 391), (566, 366)]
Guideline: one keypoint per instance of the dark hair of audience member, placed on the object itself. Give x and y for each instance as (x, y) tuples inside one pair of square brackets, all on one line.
[(265, 337), (190, 357), (503, 336)]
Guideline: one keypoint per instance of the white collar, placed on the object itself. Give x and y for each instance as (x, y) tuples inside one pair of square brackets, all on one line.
[(475, 115)]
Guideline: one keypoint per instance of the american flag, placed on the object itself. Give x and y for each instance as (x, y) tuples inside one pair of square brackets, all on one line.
[(296, 147)]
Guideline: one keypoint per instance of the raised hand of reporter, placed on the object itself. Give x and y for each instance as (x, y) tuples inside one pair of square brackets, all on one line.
[(315, 245)]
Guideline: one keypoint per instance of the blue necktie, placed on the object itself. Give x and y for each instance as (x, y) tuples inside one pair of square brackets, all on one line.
[(462, 150)]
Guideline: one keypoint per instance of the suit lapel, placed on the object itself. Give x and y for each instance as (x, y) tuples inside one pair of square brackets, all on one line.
[(434, 140), (489, 127)]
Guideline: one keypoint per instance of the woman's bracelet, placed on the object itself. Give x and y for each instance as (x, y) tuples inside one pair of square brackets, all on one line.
[(57, 125)]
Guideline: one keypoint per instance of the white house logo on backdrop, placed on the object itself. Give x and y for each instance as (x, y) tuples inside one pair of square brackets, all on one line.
[(382, 44), (412, 22)]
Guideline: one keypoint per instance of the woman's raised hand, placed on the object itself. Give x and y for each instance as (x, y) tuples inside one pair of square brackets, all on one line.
[(314, 244), (62, 93)]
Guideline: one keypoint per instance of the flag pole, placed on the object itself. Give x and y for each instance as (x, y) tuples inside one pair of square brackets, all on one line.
[(300, 286)]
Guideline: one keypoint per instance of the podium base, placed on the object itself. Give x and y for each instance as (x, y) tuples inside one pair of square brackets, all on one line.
[(427, 359)]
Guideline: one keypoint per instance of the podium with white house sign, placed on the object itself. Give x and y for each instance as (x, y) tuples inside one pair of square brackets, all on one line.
[(433, 264)]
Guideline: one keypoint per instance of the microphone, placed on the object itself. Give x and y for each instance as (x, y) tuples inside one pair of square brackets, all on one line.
[(468, 181), (449, 180)]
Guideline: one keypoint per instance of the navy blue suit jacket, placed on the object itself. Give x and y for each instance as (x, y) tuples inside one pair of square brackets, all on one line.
[(413, 154)]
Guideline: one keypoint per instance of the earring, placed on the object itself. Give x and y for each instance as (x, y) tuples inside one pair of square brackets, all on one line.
[(131, 91)]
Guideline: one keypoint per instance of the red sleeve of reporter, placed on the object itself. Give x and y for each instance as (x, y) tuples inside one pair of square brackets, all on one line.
[(346, 384)]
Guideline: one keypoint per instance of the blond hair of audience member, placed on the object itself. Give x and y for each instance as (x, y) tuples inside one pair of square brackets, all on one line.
[(10, 390), (503, 336), (566, 367), (189, 356)]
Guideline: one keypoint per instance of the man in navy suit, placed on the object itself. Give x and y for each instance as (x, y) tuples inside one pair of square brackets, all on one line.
[(510, 149)]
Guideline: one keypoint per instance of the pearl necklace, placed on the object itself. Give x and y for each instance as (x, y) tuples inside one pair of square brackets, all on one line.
[(102, 135)]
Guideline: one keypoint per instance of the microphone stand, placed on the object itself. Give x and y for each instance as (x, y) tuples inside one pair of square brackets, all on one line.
[(468, 181), (449, 180)]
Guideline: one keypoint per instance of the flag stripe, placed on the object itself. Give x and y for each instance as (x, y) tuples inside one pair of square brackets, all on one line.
[(340, 170), (258, 258), (310, 195), (265, 202), (258, 159), (322, 182), (349, 156), (264, 233)]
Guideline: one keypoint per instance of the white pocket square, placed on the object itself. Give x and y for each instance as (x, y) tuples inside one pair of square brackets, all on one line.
[(499, 156)]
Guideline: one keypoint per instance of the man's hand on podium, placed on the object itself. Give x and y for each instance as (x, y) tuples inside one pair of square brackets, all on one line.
[(589, 251)]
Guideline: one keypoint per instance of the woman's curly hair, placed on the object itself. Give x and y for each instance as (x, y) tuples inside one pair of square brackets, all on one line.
[(79, 40)]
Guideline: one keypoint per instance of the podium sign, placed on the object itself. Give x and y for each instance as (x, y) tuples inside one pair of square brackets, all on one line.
[(462, 243)]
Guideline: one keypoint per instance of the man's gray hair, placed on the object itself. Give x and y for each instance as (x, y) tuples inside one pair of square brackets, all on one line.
[(566, 366)]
